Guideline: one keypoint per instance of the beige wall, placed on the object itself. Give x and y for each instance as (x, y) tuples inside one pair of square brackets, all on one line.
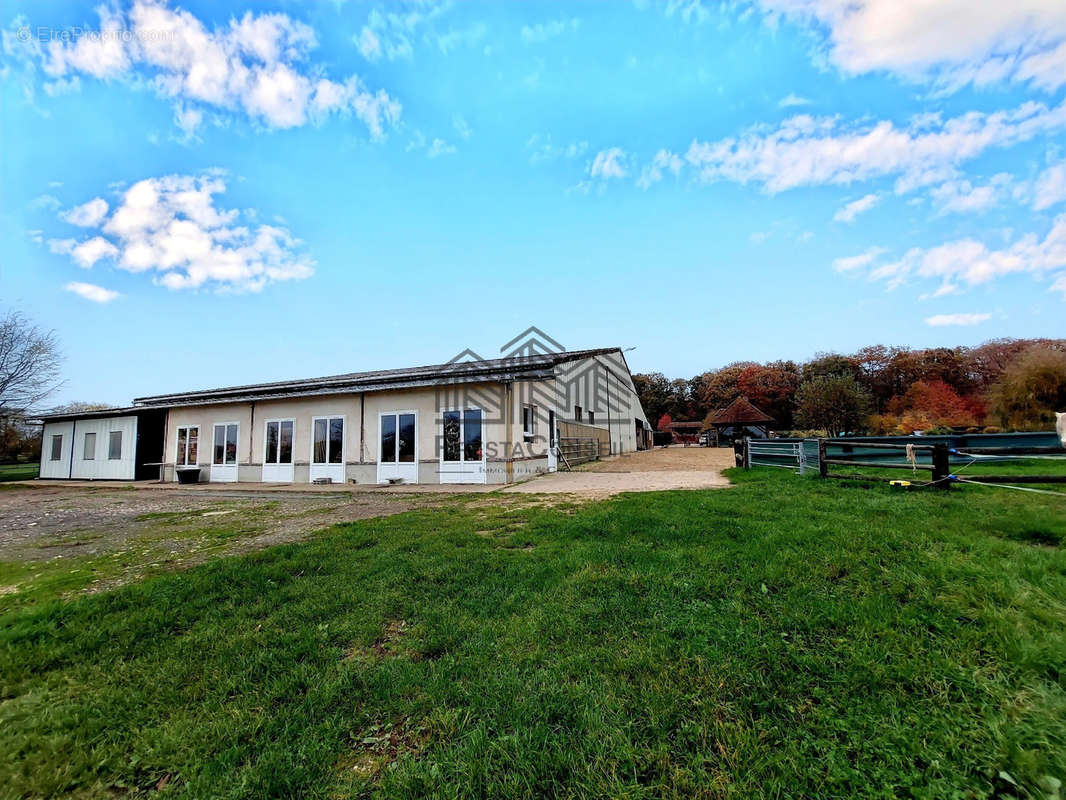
[(581, 383), (359, 447)]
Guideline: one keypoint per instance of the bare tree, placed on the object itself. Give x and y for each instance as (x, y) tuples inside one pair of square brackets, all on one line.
[(29, 365)]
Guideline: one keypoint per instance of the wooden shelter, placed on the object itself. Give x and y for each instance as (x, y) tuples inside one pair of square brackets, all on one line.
[(740, 415), (685, 432)]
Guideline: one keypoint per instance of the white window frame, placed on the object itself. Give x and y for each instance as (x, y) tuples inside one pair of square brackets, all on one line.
[(110, 440), (85, 454), (344, 440), (237, 449), (52, 455), (529, 423), (397, 414), (462, 436), (266, 425), (182, 459)]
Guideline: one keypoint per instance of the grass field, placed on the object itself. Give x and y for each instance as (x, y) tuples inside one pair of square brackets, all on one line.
[(785, 638), (18, 472), (973, 469)]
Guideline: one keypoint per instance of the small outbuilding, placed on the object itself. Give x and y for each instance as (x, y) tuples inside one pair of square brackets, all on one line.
[(740, 418), (109, 444)]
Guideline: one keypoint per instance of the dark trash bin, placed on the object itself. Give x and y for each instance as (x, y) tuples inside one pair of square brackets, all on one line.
[(188, 475)]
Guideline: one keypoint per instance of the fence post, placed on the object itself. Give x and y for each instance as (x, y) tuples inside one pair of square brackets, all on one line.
[(823, 468), (801, 457), (941, 466), (738, 453)]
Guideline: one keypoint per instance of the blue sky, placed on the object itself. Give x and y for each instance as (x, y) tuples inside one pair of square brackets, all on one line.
[(203, 194)]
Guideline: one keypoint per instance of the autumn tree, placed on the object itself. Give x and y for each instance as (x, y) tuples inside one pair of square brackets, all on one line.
[(772, 389), (834, 403), (665, 421), (655, 392), (1031, 389)]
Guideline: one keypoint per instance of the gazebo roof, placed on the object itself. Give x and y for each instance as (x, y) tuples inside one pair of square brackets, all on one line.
[(740, 412)]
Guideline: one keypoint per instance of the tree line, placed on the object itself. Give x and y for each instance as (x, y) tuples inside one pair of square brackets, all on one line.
[(1002, 384)]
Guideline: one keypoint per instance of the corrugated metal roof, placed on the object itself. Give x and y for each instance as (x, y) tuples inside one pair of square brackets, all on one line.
[(472, 371)]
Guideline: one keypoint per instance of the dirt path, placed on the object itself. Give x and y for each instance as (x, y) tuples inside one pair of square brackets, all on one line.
[(49, 521), (647, 471)]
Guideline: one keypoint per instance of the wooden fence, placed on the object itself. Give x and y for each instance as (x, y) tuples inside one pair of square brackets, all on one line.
[(579, 442)]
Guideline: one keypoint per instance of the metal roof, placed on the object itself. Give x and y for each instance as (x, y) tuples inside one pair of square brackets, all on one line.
[(472, 371)]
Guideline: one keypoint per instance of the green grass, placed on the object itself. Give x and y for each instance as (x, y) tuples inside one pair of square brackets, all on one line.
[(18, 472), (971, 469), (786, 638)]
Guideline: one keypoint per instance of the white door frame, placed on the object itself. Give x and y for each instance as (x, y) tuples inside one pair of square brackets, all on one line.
[(335, 472), (407, 471), (279, 472), (225, 473), (463, 471)]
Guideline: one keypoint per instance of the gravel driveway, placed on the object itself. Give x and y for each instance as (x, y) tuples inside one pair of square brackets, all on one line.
[(647, 471)]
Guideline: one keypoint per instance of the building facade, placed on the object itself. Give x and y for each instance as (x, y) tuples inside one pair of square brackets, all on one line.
[(468, 421)]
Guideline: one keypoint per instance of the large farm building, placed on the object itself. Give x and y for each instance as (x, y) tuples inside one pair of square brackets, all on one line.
[(468, 421)]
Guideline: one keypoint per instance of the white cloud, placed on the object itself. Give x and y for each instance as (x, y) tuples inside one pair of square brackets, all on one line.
[(369, 44), (1050, 187), (48, 202), (941, 320), (607, 164), (807, 151), (172, 226), (963, 197), (543, 31), (455, 38), (542, 150), (954, 42), (439, 147), (88, 215), (393, 30), (850, 211), (462, 127), (970, 262), (864, 259), (256, 66), (653, 172), (90, 291), (86, 253), (793, 100)]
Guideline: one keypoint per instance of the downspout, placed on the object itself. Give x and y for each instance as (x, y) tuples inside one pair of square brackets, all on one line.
[(251, 439), (508, 423), (362, 427)]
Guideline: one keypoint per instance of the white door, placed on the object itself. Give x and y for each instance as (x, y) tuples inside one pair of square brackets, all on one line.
[(398, 446), (462, 455), (224, 452), (553, 441), (277, 451), (327, 449)]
